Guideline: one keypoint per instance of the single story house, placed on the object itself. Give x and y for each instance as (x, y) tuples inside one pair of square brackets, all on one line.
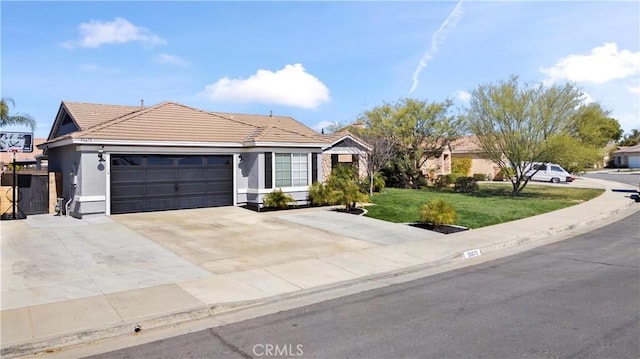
[(468, 147), (344, 148), (627, 157), (124, 159)]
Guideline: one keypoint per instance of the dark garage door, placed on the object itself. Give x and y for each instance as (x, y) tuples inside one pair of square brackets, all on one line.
[(159, 182)]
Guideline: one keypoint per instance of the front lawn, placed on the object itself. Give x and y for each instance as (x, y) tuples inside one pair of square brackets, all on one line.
[(491, 205)]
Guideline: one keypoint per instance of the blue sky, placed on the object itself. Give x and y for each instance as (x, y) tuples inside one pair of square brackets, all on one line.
[(319, 62)]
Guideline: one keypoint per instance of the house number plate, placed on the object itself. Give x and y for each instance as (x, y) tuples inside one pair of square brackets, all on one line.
[(472, 253)]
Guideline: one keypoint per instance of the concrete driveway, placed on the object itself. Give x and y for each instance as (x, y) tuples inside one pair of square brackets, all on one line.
[(229, 239), (47, 259)]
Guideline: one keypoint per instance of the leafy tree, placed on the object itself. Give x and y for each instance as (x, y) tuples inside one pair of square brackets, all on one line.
[(631, 139), (586, 143), (417, 130), (594, 127), (572, 154), (515, 124), (18, 119)]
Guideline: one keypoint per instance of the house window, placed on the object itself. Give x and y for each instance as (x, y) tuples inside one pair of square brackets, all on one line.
[(291, 169)]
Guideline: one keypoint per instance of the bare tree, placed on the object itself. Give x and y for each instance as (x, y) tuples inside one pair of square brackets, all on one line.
[(380, 154)]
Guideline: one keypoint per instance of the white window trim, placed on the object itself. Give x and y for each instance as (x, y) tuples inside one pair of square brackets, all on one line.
[(274, 170)]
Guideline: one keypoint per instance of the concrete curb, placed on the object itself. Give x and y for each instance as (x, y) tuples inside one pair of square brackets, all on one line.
[(60, 342), (518, 241)]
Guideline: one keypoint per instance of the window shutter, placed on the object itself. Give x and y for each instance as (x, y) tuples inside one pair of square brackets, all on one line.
[(314, 167), (268, 175)]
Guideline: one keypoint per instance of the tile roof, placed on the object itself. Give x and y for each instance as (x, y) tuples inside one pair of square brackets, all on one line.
[(169, 121), (90, 114), (628, 149), (283, 122), (465, 144)]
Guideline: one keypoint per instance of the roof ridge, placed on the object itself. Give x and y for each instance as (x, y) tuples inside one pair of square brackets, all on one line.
[(259, 131), (230, 118), (122, 118), (97, 104), (271, 126)]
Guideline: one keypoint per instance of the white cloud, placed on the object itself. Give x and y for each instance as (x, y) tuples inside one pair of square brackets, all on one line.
[(463, 96), (96, 33), (586, 98), (634, 89), (603, 64), (170, 60), (291, 86), (436, 40)]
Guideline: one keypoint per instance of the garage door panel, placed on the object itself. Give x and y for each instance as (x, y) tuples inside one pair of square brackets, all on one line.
[(192, 188), (192, 173), (158, 182), (219, 172), (131, 175), (126, 190), (191, 202), (219, 187), (161, 174), (217, 200), (160, 189), (128, 205), (160, 203)]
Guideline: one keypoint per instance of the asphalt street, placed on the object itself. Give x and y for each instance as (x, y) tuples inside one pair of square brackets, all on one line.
[(577, 298), (624, 177)]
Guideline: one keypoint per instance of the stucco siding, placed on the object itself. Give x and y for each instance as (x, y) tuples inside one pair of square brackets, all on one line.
[(65, 160)]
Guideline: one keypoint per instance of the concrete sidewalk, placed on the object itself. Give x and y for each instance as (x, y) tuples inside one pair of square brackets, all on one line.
[(179, 288)]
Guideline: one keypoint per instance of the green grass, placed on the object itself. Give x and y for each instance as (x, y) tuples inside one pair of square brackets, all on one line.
[(493, 204)]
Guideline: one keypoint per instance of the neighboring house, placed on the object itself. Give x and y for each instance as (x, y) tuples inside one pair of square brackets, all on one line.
[(627, 157), (24, 160), (344, 148), (124, 159), (468, 147), (440, 165)]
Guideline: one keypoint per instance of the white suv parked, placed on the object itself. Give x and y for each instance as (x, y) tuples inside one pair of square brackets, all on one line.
[(549, 172)]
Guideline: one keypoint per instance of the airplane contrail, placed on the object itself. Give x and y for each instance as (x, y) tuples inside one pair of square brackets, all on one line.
[(436, 39)]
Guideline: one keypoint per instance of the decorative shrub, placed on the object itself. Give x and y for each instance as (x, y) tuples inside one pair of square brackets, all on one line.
[(422, 181), (437, 212), (466, 185), (461, 166), (378, 183), (445, 181), (320, 194), (480, 177), (344, 189), (277, 199)]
